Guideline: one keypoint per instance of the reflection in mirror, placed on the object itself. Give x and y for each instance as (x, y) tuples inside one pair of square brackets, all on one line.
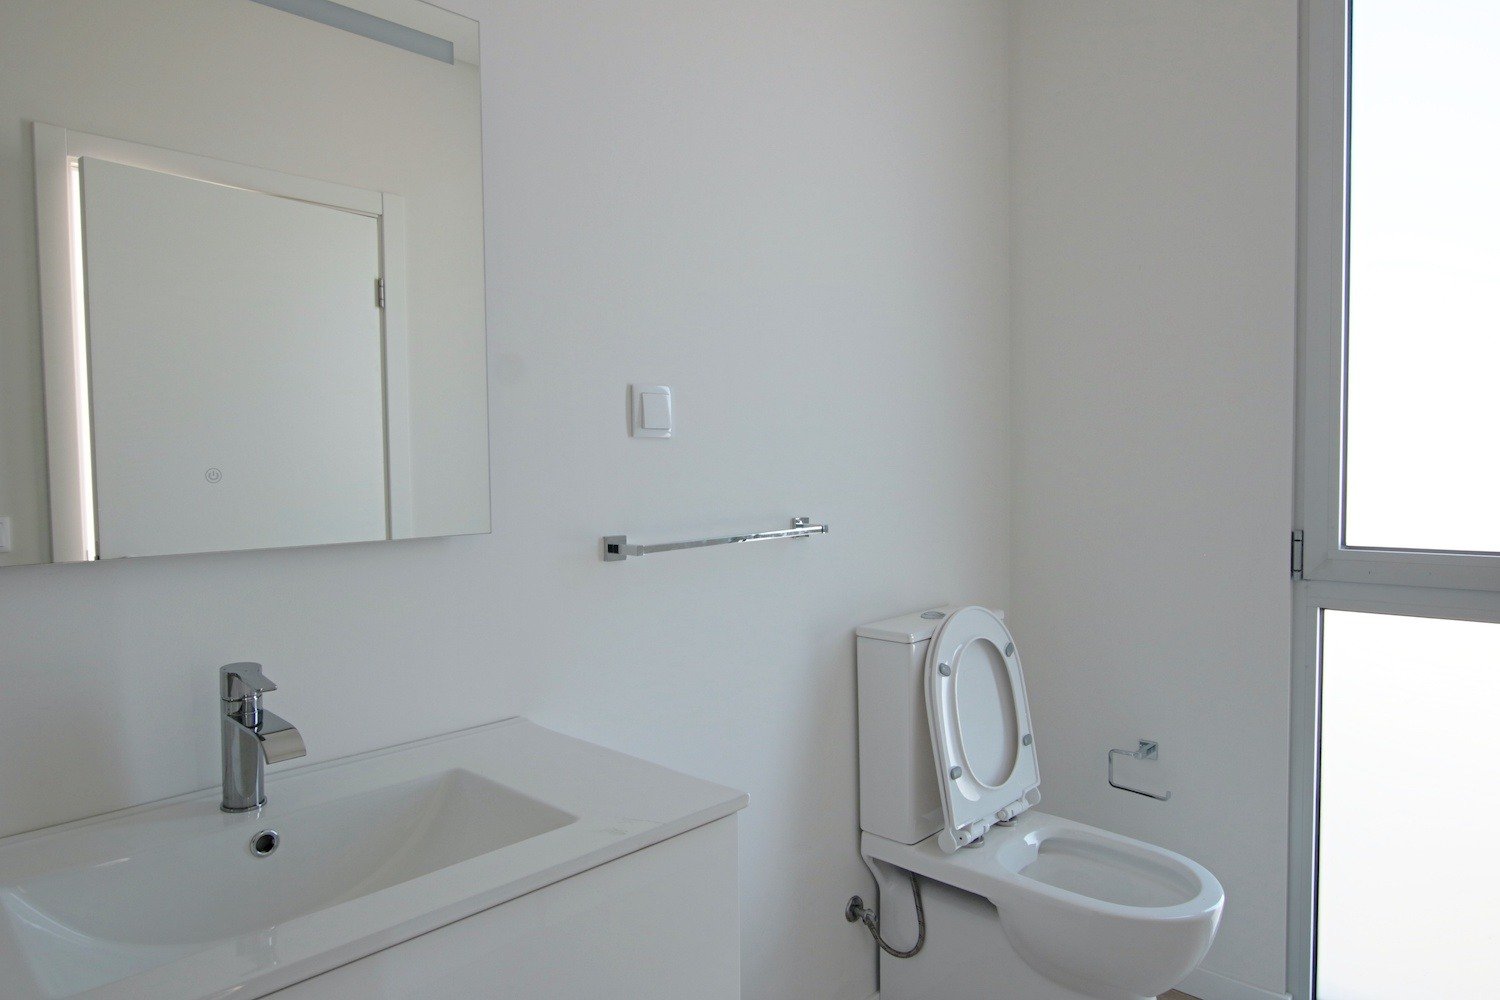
[(243, 283)]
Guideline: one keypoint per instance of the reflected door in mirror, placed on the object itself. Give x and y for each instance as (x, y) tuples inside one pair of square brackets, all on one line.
[(234, 355)]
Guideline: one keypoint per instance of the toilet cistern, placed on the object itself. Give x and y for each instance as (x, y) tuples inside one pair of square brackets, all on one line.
[(250, 736)]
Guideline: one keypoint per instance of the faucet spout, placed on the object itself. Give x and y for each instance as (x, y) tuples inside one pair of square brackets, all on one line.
[(279, 739), (250, 737)]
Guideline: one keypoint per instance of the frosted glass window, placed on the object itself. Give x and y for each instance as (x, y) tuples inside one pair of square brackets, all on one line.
[(1424, 264), (1407, 875)]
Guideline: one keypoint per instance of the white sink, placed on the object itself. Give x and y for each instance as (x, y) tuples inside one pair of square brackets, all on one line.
[(170, 901), (90, 926)]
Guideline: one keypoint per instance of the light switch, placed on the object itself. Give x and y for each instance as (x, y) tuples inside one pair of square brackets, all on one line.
[(652, 413), (656, 411), (4, 534)]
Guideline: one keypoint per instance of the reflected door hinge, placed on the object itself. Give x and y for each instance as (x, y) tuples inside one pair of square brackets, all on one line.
[(1297, 554), (379, 293)]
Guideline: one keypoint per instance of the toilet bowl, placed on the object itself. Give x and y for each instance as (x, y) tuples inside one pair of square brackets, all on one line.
[(1018, 903)]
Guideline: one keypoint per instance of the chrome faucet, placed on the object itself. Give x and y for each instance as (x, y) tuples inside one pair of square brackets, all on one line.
[(251, 737)]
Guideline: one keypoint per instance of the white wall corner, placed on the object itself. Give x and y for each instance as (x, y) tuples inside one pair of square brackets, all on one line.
[(1212, 986)]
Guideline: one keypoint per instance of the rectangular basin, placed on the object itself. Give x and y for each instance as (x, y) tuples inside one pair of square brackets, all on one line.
[(89, 926), (182, 902)]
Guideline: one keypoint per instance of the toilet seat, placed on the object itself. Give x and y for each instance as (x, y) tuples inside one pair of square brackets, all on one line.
[(980, 722)]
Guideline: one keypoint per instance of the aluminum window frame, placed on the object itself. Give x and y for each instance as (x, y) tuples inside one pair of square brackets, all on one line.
[(1335, 576), (1323, 334)]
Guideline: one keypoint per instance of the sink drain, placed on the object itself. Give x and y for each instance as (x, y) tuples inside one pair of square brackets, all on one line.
[(264, 843)]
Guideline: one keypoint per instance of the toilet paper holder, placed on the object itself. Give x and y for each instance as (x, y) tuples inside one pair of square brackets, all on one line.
[(1147, 750)]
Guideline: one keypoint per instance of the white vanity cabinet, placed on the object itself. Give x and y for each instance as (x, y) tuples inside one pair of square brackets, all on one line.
[(662, 923)]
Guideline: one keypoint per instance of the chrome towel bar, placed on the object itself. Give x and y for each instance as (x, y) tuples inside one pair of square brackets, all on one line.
[(617, 549)]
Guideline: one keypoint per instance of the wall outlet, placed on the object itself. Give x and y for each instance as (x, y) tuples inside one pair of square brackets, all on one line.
[(4, 533)]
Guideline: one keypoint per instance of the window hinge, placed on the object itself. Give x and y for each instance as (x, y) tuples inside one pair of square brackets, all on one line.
[(379, 293), (1297, 554)]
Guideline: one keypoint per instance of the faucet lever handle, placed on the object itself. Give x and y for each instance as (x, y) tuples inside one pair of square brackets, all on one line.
[(237, 681)]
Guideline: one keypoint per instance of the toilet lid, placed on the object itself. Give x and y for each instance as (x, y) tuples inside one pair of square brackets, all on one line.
[(981, 726)]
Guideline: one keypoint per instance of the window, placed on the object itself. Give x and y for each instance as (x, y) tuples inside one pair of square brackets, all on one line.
[(1408, 735), (1424, 343), (1397, 611)]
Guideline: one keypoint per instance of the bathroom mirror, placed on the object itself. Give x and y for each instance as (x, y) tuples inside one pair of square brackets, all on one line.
[(242, 283)]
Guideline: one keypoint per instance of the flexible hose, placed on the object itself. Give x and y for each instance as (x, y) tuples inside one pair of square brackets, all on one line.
[(871, 921)]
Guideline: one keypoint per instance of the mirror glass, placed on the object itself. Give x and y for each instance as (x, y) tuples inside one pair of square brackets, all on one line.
[(242, 286)]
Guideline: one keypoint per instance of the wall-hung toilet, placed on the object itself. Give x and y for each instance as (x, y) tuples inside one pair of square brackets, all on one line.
[(1018, 905)]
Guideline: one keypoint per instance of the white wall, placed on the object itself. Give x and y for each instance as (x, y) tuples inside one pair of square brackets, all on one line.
[(1153, 182), (791, 212), (795, 214)]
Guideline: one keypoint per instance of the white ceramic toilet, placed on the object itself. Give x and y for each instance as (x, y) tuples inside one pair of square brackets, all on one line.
[(1019, 905)]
